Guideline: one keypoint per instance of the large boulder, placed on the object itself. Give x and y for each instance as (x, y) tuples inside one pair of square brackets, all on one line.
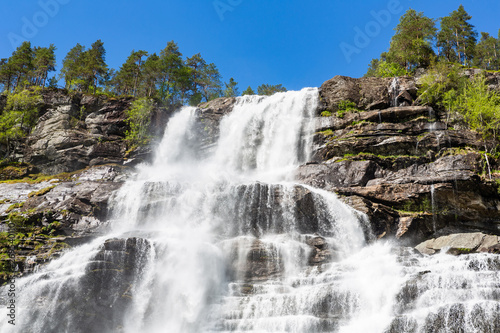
[(367, 93), (463, 243), (209, 117)]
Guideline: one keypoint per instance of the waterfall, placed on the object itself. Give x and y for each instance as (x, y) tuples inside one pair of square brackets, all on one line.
[(394, 91), (226, 241)]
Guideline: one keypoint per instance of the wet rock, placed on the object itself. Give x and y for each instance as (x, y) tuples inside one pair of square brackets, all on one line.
[(340, 174), (321, 253), (210, 115), (100, 299), (459, 243), (254, 260)]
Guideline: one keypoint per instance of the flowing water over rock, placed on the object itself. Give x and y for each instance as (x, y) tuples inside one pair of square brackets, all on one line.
[(224, 241)]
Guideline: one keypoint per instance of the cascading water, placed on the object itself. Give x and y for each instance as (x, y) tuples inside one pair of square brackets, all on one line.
[(225, 241), (394, 91)]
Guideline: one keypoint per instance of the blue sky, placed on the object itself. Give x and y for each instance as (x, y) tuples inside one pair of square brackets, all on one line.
[(295, 43)]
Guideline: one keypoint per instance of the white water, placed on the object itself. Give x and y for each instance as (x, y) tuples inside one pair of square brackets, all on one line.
[(218, 242)]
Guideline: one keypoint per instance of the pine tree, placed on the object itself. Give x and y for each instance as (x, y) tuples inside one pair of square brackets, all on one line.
[(73, 67), (7, 74), (488, 52), (211, 86), (411, 46), (185, 82), (196, 63), (95, 68), (267, 89), (372, 68), (457, 39), (151, 74), (44, 62), (21, 63), (128, 78), (170, 64), (249, 91), (231, 88)]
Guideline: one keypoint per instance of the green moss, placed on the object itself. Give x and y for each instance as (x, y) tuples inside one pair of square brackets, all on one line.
[(326, 114), (39, 178), (497, 181), (346, 106), (327, 132), (360, 122), (14, 206), (41, 192)]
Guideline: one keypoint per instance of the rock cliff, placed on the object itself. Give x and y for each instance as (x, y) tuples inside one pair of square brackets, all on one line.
[(419, 176), (414, 172)]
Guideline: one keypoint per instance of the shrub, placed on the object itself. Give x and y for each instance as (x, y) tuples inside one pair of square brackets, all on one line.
[(440, 85), (139, 119), (20, 115), (390, 69), (346, 106)]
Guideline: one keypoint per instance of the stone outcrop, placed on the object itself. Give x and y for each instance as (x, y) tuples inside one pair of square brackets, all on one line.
[(414, 172), (461, 244), (75, 131), (209, 117), (57, 213), (366, 93)]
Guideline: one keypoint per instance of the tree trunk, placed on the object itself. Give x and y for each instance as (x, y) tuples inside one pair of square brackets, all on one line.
[(458, 47)]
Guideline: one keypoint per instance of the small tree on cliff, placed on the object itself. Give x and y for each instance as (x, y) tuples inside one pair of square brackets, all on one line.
[(231, 88), (248, 91)]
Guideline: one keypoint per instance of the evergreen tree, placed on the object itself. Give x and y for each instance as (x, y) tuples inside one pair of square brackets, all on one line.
[(170, 65), (52, 82), (151, 74), (185, 82), (7, 75), (267, 89), (488, 52), (21, 63), (95, 68), (44, 62), (72, 68), (231, 88), (128, 78), (411, 46), (372, 68), (196, 63), (211, 82), (249, 91), (457, 39)]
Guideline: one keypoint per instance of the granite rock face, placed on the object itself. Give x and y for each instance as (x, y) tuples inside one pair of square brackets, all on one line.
[(413, 171), (53, 215)]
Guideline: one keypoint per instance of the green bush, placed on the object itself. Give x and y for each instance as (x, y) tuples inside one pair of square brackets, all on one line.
[(390, 69), (440, 86), (139, 119), (480, 107), (346, 106), (19, 115)]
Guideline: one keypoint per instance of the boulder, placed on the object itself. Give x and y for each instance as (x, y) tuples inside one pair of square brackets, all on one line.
[(463, 243), (367, 93), (209, 116)]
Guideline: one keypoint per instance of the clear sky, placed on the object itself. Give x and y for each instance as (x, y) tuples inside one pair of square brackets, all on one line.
[(295, 43)]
